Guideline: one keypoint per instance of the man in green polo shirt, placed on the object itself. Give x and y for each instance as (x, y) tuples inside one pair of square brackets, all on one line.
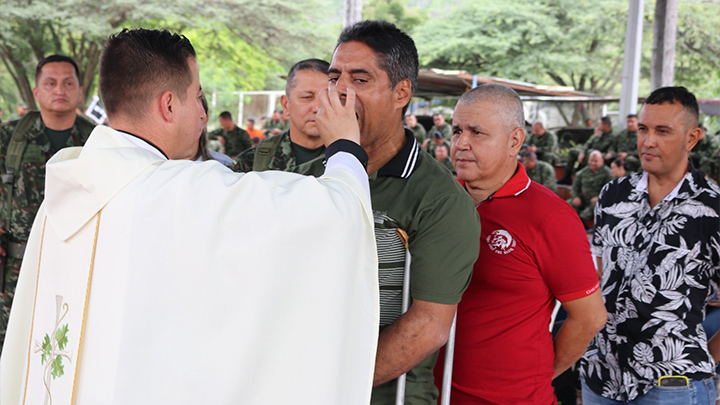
[(415, 200)]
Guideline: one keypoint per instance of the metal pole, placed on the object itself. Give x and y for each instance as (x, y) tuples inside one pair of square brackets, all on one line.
[(400, 393), (631, 65), (448, 366)]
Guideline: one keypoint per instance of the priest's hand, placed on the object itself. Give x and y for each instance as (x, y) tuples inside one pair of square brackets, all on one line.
[(335, 119)]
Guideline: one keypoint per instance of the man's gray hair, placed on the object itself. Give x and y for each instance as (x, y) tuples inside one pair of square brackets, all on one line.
[(507, 103)]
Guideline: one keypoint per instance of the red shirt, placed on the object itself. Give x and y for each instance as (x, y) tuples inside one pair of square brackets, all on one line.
[(533, 250)]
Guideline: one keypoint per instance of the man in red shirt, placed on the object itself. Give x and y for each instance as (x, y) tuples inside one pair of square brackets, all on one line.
[(533, 251)]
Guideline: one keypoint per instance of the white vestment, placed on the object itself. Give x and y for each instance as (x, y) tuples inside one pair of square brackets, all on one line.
[(178, 282)]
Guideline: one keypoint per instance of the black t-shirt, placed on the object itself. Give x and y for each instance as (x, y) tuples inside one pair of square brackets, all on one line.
[(58, 139)]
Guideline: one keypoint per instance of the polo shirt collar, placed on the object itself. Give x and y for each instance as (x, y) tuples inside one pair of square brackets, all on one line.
[(403, 164), (518, 183)]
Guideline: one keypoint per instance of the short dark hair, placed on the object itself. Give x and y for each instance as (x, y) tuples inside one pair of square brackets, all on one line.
[(606, 120), (679, 95), (529, 154), (395, 50), (619, 162), (315, 65), (53, 59), (251, 120), (631, 116), (137, 64), (225, 115)]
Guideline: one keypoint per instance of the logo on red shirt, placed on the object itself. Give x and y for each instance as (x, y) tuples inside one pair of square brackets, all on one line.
[(501, 242)]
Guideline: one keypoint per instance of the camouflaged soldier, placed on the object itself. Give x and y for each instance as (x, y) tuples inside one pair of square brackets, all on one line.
[(625, 145), (543, 143), (539, 171), (602, 141), (706, 155), (236, 138), (442, 153), (411, 123), (295, 149), (441, 126), (41, 134), (587, 185), (275, 125)]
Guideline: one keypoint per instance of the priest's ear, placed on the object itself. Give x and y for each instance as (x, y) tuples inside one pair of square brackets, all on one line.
[(167, 105)]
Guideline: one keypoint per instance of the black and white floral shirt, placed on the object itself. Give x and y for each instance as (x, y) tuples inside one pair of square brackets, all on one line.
[(661, 266)]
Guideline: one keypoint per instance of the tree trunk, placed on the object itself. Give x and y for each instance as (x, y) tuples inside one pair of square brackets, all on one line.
[(663, 57), (353, 12)]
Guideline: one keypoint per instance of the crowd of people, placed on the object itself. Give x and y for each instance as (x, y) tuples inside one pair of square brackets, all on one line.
[(340, 245)]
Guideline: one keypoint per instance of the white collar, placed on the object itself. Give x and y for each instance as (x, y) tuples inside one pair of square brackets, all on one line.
[(142, 144), (642, 186)]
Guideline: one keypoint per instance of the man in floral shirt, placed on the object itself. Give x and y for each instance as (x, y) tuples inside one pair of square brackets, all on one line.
[(657, 239)]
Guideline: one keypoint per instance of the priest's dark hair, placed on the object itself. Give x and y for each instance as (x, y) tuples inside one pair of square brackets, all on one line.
[(138, 64), (395, 50)]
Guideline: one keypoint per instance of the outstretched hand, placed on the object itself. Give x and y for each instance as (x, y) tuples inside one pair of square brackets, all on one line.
[(336, 120)]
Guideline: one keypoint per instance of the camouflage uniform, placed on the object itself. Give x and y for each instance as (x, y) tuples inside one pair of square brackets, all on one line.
[(236, 141), (706, 156), (283, 158), (445, 129), (587, 185), (28, 193), (602, 143), (279, 124), (431, 147), (448, 163), (544, 174), (626, 141), (547, 146), (419, 132)]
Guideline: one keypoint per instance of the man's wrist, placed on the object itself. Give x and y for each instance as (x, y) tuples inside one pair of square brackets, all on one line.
[(346, 145)]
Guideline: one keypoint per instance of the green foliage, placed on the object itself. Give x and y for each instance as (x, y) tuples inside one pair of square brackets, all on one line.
[(46, 349), (697, 51), (61, 336), (57, 367), (396, 12), (574, 43), (242, 42)]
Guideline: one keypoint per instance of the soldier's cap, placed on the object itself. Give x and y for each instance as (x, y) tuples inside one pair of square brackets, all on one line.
[(437, 134)]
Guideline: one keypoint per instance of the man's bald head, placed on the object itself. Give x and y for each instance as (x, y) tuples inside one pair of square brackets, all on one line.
[(508, 105), (595, 160)]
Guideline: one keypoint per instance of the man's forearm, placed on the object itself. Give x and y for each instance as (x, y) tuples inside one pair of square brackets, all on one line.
[(714, 347), (586, 316), (411, 339)]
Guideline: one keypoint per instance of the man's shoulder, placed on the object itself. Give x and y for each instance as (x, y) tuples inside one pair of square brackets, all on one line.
[(545, 165), (84, 125), (620, 188)]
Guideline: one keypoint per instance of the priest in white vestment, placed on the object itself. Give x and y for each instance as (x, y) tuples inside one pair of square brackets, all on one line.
[(151, 280)]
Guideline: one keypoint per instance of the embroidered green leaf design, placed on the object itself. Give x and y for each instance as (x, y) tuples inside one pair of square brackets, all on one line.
[(46, 349), (61, 336), (57, 367)]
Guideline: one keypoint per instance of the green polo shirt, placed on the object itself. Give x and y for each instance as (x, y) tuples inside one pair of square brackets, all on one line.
[(415, 193)]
